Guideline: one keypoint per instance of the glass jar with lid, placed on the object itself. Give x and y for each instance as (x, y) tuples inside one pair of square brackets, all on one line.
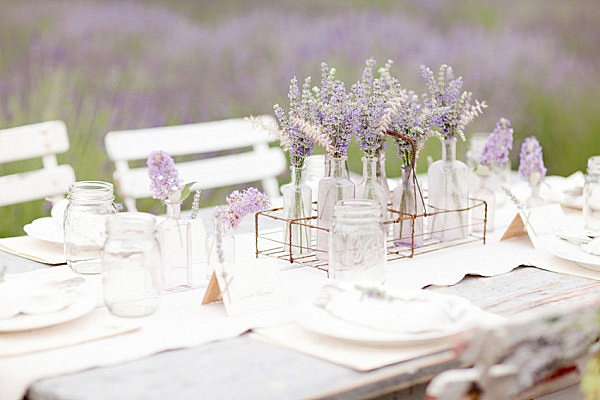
[(131, 265), (591, 196), (90, 202), (357, 249)]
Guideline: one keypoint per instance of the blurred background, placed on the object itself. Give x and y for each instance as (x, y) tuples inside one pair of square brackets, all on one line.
[(108, 65)]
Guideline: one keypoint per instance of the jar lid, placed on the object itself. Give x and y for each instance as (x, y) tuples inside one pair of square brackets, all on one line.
[(358, 209)]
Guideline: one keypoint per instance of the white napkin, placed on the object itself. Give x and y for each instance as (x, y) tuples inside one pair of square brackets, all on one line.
[(34, 249)]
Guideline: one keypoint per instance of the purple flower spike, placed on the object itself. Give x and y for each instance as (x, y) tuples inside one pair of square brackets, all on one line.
[(532, 161), (498, 145), (164, 178), (240, 204)]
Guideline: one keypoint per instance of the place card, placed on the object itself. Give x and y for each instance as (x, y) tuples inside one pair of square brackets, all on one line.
[(247, 287), (536, 223)]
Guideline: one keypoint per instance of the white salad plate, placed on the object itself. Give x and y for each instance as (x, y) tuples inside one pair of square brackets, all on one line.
[(572, 252), (404, 318), (81, 304), (48, 229)]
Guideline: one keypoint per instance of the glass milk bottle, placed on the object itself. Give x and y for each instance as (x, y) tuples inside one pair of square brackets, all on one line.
[(131, 265), (174, 236), (297, 204), (90, 202)]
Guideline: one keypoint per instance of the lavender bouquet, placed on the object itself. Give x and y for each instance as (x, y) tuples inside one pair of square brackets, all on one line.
[(165, 183), (445, 92), (240, 204), (532, 169)]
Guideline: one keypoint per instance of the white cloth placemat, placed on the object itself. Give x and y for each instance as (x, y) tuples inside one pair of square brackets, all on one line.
[(34, 249)]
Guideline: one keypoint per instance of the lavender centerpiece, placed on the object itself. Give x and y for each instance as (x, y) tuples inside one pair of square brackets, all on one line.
[(532, 169), (493, 157), (221, 244), (174, 233), (448, 178)]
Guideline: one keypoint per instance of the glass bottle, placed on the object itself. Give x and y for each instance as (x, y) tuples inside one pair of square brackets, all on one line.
[(220, 248), (478, 213), (407, 199), (174, 237), (333, 188), (370, 188), (382, 174), (534, 199), (591, 196), (501, 176), (131, 265), (297, 202), (448, 182), (315, 171), (358, 243), (90, 202)]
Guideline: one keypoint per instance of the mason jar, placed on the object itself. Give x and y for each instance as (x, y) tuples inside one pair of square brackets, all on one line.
[(357, 248), (131, 265), (591, 196), (90, 202)]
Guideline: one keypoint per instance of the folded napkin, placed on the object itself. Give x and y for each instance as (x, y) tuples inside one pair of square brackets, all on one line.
[(34, 249), (97, 325)]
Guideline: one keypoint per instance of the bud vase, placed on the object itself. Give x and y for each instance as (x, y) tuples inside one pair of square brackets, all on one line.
[(407, 199), (220, 248), (534, 200), (382, 175), (333, 188), (478, 213), (370, 188), (175, 246), (448, 182), (297, 201)]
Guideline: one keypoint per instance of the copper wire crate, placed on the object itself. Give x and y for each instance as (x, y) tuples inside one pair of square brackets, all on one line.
[(274, 244)]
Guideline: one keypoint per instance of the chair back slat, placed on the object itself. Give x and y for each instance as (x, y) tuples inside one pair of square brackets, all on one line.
[(33, 185), (32, 141), (260, 164)]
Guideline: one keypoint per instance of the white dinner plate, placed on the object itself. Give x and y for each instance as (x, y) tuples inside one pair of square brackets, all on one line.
[(319, 320), (82, 305), (572, 252), (48, 229)]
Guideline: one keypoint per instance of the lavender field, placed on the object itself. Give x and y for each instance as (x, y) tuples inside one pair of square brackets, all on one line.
[(105, 65)]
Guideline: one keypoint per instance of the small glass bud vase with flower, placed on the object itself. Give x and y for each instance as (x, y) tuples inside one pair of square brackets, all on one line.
[(494, 155), (174, 233), (410, 124), (220, 246), (448, 178), (297, 195), (532, 170)]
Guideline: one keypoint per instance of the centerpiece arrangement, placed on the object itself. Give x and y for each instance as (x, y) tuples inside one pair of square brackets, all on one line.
[(370, 110)]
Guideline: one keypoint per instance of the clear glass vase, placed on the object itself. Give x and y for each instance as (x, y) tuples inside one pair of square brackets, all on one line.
[(315, 171), (382, 174), (407, 199), (478, 213), (370, 188), (333, 188), (501, 178), (448, 182), (220, 248), (534, 199), (297, 202), (174, 238), (131, 265)]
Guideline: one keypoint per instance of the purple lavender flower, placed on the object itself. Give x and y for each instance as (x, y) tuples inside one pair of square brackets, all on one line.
[(240, 204), (531, 165), (498, 145), (164, 178)]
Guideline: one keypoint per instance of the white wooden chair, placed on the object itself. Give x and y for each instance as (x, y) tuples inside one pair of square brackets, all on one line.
[(43, 140), (262, 163), (528, 357)]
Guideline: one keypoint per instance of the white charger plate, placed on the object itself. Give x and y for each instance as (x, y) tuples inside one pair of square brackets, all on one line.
[(83, 304), (48, 229), (318, 320), (572, 252)]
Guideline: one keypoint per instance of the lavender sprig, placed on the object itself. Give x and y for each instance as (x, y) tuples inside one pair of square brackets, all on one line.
[(497, 147), (531, 165), (164, 178), (240, 204), (459, 107)]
